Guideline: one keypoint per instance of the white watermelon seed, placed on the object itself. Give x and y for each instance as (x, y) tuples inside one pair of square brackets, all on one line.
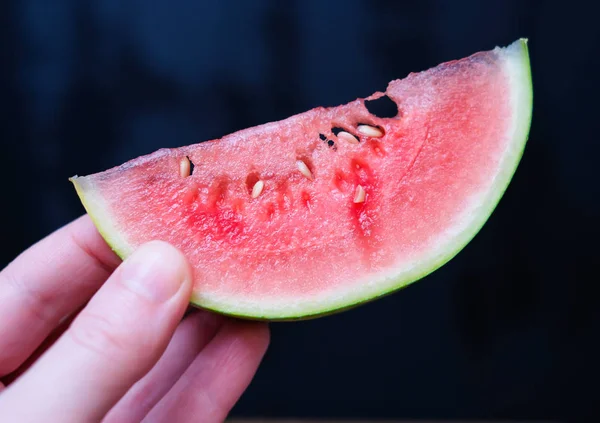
[(184, 167), (304, 169), (257, 188), (370, 131), (348, 137), (360, 194)]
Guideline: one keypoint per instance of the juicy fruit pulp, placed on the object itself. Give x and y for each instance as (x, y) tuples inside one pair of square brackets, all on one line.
[(296, 219)]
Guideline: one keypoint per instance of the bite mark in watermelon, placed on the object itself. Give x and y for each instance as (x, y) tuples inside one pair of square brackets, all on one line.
[(333, 207)]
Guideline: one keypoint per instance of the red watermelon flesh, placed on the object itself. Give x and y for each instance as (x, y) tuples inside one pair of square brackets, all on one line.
[(306, 244)]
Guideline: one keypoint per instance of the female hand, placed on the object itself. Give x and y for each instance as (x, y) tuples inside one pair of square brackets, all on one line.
[(84, 338)]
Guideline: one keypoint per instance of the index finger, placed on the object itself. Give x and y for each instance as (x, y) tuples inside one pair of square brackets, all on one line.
[(46, 283)]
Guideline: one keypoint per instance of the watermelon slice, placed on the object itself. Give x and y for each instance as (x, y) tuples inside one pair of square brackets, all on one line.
[(295, 219)]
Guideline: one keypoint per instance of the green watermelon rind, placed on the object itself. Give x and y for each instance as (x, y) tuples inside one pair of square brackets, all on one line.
[(518, 63), (97, 211)]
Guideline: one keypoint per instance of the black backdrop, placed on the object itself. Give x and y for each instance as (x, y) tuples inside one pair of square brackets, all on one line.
[(505, 330)]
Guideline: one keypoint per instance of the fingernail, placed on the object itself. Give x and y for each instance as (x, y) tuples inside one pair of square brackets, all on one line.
[(156, 271)]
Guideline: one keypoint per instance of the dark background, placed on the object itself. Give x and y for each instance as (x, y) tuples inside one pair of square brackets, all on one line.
[(507, 329)]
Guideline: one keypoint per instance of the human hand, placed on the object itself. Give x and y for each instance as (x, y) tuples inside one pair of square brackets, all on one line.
[(127, 355)]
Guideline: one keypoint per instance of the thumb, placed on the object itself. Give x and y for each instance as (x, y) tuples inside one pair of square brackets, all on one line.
[(113, 342)]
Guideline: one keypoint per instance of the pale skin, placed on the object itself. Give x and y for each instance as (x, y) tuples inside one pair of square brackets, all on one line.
[(85, 337)]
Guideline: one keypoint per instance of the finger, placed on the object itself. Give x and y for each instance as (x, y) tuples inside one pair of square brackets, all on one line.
[(46, 283), (46, 343), (216, 379), (192, 335), (110, 345)]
